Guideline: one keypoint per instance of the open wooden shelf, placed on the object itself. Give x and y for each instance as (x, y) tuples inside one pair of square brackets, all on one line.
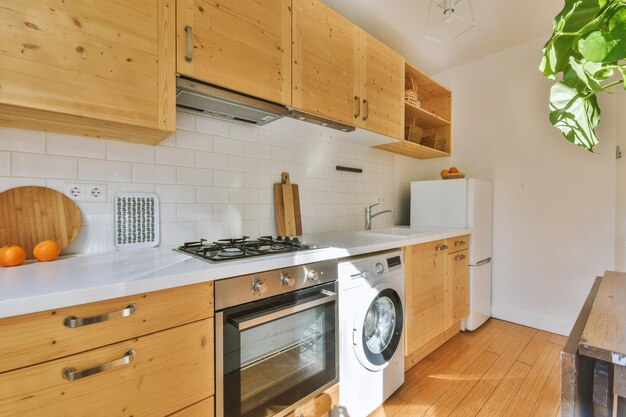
[(423, 118), (413, 150)]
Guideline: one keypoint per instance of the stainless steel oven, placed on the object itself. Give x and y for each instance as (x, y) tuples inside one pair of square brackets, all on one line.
[(276, 339)]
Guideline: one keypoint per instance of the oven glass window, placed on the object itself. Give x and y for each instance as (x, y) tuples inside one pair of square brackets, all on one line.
[(277, 363)]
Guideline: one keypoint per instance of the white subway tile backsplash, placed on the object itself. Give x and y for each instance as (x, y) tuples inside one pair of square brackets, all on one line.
[(228, 146), (212, 160), (44, 166), (128, 187), (258, 150), (212, 126), (259, 181), (229, 211), (193, 140), (130, 152), (197, 212), (211, 195), (271, 137), (295, 141), (244, 195), (176, 193), (185, 121), (259, 211), (282, 154), (149, 173), (168, 212), (175, 156), (22, 140), (228, 179), (5, 164), (271, 167), (6, 183), (93, 169), (67, 145), (244, 164), (194, 176), (244, 132), (175, 233), (170, 141), (245, 228), (213, 230)]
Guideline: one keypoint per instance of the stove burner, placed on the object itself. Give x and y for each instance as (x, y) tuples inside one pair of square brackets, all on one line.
[(238, 248)]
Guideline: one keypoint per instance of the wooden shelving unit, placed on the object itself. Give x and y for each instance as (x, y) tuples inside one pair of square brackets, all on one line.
[(434, 116)]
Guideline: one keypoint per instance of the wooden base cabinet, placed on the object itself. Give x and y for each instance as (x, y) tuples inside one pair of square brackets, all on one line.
[(89, 68), (436, 295), (319, 406)]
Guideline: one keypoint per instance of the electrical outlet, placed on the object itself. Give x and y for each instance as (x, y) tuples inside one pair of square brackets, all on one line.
[(380, 199), (86, 192)]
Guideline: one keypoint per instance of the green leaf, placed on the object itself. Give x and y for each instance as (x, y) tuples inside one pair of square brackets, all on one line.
[(577, 116), (585, 72), (606, 47)]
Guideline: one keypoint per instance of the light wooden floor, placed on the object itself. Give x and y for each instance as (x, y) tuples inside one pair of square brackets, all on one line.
[(501, 369)]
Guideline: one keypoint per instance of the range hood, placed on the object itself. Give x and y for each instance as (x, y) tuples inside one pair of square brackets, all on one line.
[(205, 99), (209, 100)]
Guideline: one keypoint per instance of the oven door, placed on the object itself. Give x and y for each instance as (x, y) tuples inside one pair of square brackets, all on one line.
[(273, 354)]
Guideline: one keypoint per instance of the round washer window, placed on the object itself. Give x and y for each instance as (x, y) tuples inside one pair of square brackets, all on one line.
[(382, 327)]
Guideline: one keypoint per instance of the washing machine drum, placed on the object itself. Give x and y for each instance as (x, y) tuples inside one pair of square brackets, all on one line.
[(377, 330)]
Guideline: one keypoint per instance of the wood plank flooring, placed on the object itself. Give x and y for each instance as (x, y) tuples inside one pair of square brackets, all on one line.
[(500, 370)]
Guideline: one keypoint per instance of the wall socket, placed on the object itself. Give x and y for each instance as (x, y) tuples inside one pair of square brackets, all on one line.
[(86, 192), (380, 199)]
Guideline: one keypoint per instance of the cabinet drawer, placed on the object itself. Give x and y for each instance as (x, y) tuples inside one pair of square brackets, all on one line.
[(202, 409), (38, 337), (458, 243), (168, 371)]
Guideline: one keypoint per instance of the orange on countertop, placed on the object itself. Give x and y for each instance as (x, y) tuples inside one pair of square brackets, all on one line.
[(12, 255), (48, 250)]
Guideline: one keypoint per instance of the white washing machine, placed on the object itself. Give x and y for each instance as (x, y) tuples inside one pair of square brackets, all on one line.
[(371, 296)]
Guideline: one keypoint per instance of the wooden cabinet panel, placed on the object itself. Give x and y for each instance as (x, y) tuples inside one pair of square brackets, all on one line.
[(204, 408), (242, 45), (382, 80), (169, 370), (101, 66), (425, 269), (457, 243), (325, 61), (458, 287), (38, 337)]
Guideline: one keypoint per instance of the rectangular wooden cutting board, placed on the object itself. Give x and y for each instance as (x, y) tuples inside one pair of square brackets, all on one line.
[(287, 205)]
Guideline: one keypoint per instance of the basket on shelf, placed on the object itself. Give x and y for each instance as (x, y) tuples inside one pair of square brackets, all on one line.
[(410, 94), (435, 141), (413, 133)]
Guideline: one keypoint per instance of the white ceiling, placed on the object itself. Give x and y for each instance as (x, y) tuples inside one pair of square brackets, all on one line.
[(500, 24)]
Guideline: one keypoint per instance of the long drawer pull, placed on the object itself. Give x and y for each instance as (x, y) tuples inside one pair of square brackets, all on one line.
[(459, 243), (73, 321), (441, 247), (366, 103), (189, 32), (357, 103), (71, 374), (459, 257)]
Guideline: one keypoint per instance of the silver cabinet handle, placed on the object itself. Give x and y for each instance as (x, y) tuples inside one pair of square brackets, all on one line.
[(483, 262), (189, 55), (71, 374), (357, 103), (459, 243), (441, 247), (73, 321), (367, 109), (459, 257)]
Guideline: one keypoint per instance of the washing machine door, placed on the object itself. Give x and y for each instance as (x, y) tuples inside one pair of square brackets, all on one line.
[(378, 329)]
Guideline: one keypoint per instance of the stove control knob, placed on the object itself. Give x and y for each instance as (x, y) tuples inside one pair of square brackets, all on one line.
[(259, 287), (379, 268), (313, 275), (287, 280)]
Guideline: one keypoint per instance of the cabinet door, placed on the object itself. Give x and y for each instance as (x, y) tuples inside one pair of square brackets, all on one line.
[(324, 61), (382, 78), (242, 45), (425, 274), (458, 287), (106, 62)]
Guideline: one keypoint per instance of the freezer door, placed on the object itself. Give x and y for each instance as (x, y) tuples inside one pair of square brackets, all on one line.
[(439, 203), (480, 218), (480, 294)]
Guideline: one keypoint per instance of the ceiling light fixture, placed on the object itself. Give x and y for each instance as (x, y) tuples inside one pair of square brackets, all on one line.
[(448, 19)]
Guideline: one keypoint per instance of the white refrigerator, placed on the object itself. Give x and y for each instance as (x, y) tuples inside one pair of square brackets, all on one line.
[(462, 203)]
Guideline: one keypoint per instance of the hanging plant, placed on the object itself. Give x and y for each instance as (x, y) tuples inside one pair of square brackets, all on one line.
[(586, 50)]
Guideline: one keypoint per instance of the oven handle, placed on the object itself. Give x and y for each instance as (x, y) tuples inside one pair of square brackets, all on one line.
[(252, 322)]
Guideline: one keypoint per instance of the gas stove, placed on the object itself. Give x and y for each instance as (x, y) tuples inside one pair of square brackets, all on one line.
[(224, 250)]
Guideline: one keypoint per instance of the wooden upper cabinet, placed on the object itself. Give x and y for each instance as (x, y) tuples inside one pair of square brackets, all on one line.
[(91, 68), (382, 84), (242, 45), (325, 61)]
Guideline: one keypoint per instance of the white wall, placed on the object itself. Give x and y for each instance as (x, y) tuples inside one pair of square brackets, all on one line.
[(620, 209), (214, 178), (554, 204)]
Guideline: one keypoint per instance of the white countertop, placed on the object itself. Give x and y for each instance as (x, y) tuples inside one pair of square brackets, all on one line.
[(80, 279)]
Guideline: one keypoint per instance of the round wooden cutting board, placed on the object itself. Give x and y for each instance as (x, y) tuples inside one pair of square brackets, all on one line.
[(29, 215)]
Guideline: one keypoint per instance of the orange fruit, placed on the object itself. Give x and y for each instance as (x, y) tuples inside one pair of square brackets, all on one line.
[(48, 250), (453, 170), (444, 172), (12, 255)]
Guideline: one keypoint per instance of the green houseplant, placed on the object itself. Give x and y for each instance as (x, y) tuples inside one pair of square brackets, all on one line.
[(585, 56)]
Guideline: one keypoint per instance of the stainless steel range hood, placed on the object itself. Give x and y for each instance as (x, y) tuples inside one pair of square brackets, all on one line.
[(209, 100), (318, 120)]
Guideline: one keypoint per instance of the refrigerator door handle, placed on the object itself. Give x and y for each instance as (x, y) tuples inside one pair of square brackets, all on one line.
[(483, 262)]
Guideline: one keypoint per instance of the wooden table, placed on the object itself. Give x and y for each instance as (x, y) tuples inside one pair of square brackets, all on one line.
[(594, 358)]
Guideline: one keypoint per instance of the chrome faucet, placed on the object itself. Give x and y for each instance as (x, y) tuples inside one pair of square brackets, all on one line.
[(369, 216)]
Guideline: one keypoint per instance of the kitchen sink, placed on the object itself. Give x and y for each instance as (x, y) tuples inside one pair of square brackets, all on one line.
[(398, 232)]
